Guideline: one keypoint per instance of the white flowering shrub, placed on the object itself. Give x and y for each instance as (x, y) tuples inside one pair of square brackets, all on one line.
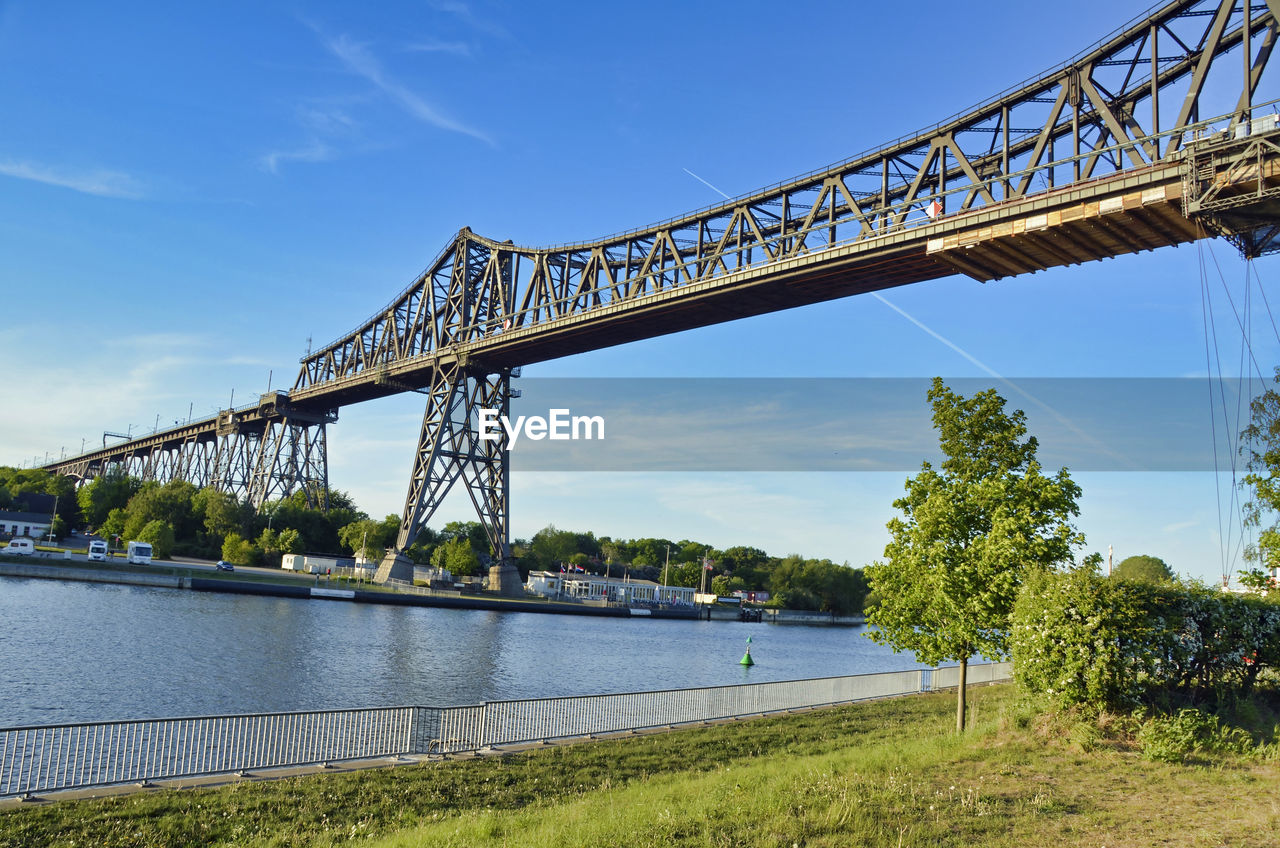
[(1085, 640), (1073, 639)]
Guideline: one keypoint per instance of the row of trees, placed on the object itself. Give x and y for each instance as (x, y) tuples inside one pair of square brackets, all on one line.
[(32, 490), (793, 582), (178, 518)]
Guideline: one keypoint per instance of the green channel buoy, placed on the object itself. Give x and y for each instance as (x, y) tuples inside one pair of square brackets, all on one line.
[(746, 658)]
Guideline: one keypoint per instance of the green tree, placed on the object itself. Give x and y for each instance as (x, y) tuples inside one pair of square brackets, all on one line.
[(1257, 580), (160, 535), (240, 550), (752, 565), (289, 542), (818, 584), (318, 528), (373, 537), (548, 547), (113, 525), (720, 585), (653, 552), (102, 494), (170, 503), (472, 530), (1144, 569), (424, 546), (269, 543), (970, 531), (684, 574), (457, 556), (1261, 448), (220, 512)]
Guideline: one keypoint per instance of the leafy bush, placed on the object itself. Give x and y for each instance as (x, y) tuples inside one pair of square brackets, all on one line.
[(240, 551), (1208, 643), (1083, 640), (1073, 639), (1173, 739)]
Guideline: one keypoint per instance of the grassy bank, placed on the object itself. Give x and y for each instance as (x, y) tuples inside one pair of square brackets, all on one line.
[(887, 773)]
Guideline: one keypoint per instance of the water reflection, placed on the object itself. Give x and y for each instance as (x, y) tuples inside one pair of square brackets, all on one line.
[(86, 652)]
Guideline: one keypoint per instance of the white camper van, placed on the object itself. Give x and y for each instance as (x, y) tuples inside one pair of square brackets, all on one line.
[(139, 553), (97, 550), (20, 547)]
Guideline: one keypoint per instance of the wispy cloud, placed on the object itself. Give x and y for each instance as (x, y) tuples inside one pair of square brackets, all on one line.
[(326, 119), (360, 61), (456, 48), (466, 14), (317, 151), (98, 182)]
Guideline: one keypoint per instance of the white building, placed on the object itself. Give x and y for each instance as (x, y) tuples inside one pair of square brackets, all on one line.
[(581, 586), (315, 563), (33, 524), (546, 584)]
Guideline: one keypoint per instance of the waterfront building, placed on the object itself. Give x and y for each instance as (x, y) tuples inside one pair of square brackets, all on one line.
[(593, 587)]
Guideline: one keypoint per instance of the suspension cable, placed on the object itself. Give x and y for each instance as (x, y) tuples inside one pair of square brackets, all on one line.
[(1206, 313)]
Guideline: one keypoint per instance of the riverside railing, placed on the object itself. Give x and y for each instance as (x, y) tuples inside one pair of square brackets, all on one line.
[(48, 758)]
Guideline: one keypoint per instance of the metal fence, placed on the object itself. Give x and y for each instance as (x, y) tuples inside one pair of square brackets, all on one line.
[(50, 758)]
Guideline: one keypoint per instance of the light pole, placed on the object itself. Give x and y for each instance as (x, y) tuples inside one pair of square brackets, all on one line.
[(664, 573), (53, 517)]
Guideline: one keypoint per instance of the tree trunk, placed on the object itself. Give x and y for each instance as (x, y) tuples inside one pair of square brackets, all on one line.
[(964, 673)]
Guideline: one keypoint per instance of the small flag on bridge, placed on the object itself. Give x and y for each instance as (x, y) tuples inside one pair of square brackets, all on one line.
[(934, 209)]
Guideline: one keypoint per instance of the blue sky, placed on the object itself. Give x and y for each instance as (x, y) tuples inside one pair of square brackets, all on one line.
[(188, 194)]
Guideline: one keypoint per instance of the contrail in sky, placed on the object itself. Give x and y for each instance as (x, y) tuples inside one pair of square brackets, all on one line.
[(1061, 419)]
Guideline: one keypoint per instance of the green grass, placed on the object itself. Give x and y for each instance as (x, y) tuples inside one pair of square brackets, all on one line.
[(888, 773)]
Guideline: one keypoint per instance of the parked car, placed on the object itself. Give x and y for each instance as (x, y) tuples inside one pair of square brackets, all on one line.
[(19, 547), (224, 566)]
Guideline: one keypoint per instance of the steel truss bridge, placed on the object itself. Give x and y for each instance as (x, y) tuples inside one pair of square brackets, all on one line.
[(1162, 134)]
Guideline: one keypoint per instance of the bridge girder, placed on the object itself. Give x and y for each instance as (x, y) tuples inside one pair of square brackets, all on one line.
[(1098, 116), (257, 453)]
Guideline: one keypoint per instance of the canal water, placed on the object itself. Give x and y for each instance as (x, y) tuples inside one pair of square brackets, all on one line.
[(77, 652)]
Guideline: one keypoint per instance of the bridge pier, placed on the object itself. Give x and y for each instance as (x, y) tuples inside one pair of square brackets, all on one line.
[(505, 580), (394, 566), (451, 448)]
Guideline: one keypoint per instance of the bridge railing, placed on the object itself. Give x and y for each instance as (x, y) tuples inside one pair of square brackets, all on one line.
[(48, 758)]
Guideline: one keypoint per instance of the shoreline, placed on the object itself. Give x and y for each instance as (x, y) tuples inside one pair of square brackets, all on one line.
[(297, 590)]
